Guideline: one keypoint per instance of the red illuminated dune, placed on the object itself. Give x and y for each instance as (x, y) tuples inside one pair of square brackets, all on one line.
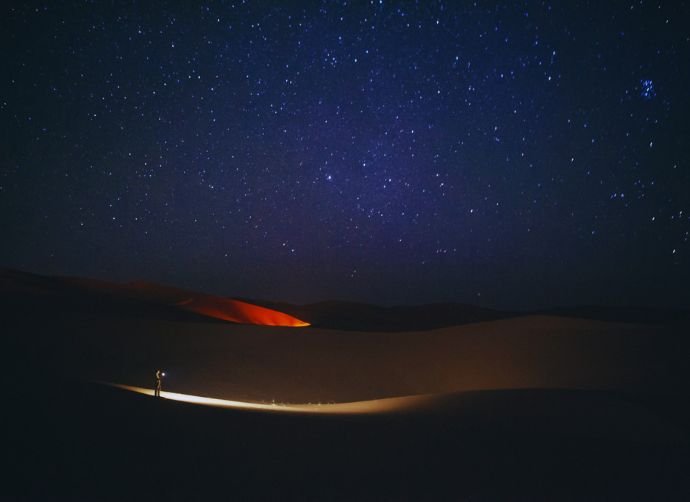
[(213, 306), (69, 293), (237, 311)]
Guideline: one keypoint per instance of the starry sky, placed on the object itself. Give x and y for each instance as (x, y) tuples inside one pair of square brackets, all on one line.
[(516, 154)]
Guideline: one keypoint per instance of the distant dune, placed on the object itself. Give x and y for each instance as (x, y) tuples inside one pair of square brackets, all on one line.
[(149, 300), (138, 298), (631, 314), (352, 316), (213, 306)]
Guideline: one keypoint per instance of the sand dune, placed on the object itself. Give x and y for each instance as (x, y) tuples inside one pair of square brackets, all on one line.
[(212, 306), (70, 292), (354, 316), (150, 300), (255, 363), (417, 403)]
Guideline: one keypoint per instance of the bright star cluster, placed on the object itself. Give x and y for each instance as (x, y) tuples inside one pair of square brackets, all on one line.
[(512, 154)]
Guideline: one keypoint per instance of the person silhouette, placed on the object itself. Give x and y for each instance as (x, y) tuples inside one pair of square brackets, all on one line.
[(159, 383)]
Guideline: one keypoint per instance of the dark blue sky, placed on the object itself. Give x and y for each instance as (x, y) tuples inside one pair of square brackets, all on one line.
[(518, 155)]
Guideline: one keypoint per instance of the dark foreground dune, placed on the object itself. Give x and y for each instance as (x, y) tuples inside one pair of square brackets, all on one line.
[(94, 443), (522, 408)]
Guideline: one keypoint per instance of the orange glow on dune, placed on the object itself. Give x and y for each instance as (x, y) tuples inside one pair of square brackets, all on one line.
[(216, 307), (237, 311)]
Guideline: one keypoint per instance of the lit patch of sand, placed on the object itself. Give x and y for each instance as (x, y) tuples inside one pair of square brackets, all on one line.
[(386, 405)]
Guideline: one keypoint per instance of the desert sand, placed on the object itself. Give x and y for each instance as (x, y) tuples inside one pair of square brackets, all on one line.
[(308, 411)]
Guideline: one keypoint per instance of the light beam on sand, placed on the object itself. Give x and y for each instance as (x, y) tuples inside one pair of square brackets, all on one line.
[(386, 405)]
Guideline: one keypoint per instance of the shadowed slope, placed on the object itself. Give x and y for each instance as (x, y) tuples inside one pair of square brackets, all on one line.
[(353, 316)]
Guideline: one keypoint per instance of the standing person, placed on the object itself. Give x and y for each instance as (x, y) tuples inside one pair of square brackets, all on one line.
[(159, 383)]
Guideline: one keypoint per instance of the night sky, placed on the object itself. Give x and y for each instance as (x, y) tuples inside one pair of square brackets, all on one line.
[(522, 155)]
